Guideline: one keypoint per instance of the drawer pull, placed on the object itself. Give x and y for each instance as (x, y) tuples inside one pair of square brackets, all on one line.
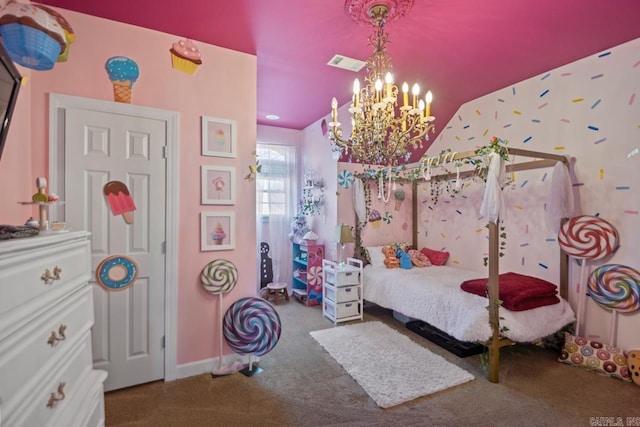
[(48, 278), (56, 397), (54, 338)]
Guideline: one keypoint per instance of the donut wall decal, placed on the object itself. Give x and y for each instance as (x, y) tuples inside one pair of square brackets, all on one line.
[(117, 272), (251, 326)]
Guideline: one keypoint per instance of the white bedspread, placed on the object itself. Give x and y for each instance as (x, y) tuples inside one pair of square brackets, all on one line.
[(433, 294)]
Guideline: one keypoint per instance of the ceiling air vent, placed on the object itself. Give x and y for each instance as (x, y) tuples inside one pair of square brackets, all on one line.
[(346, 63)]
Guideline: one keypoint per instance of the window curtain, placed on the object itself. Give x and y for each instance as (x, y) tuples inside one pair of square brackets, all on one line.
[(276, 204)]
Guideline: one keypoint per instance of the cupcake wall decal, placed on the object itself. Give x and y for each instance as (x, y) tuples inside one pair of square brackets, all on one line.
[(185, 56)]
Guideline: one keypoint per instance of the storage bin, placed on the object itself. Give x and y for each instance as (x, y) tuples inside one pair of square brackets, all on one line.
[(341, 310), (343, 278), (342, 294)]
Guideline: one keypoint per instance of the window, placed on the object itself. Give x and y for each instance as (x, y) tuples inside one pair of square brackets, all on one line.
[(275, 184)]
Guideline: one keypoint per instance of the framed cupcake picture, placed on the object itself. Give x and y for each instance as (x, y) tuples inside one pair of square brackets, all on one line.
[(217, 231), (218, 137)]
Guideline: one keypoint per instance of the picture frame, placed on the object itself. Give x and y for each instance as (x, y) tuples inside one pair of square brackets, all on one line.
[(219, 137), (218, 185), (217, 231)]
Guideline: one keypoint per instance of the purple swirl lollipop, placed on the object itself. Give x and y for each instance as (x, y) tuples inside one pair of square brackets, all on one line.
[(251, 326)]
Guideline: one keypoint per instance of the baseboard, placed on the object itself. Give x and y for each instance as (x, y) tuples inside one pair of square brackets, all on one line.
[(205, 366)]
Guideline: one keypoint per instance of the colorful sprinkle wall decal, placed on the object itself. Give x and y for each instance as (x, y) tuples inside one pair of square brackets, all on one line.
[(565, 74), (623, 187), (517, 112), (565, 120), (595, 104), (535, 120), (545, 76), (602, 55), (577, 100), (527, 139), (597, 76), (600, 140), (544, 93), (631, 212), (542, 106), (593, 128), (632, 98), (523, 183), (478, 112), (542, 265), (559, 147), (601, 173)]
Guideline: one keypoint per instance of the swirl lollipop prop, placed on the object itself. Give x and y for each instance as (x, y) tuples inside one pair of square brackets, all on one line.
[(587, 238), (617, 288), (218, 277), (251, 326)]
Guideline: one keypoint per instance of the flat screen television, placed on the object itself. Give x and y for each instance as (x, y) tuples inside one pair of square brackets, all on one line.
[(10, 80)]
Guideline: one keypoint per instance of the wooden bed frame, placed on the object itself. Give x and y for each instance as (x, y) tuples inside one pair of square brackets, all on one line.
[(496, 342)]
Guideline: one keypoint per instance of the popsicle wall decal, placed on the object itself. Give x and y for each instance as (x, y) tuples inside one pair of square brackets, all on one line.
[(119, 200)]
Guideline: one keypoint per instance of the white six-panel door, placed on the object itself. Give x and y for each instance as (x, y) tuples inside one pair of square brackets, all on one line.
[(129, 324)]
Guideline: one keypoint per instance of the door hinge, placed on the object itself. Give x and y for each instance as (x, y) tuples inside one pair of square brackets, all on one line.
[(163, 341), (164, 247), (165, 151)]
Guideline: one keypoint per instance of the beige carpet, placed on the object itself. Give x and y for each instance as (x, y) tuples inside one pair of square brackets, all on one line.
[(302, 385)]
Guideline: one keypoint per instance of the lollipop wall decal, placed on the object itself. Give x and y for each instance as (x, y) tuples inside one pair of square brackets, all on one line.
[(586, 238), (615, 287), (251, 326), (219, 277)]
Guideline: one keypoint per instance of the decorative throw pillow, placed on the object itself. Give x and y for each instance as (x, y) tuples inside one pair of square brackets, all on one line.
[(595, 356), (634, 365), (376, 257), (436, 257)]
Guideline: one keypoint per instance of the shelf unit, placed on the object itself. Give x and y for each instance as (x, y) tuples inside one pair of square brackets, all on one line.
[(342, 291), (307, 272)]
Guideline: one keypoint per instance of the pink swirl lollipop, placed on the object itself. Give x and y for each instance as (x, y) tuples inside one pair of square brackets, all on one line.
[(251, 326), (615, 286), (588, 237)]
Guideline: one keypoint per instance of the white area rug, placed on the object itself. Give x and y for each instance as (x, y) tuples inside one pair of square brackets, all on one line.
[(390, 367)]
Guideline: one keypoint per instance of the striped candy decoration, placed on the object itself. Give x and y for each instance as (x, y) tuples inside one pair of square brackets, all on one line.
[(219, 276), (588, 237), (251, 326), (615, 286)]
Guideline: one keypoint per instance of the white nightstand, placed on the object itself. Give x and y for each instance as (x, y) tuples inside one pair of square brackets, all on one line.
[(342, 290)]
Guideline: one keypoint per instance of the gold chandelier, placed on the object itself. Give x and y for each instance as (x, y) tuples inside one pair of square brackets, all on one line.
[(384, 128)]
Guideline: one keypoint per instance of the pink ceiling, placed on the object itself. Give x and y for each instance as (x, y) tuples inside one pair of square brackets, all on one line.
[(459, 49)]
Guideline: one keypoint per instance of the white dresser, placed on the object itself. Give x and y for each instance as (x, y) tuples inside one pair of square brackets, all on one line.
[(46, 314)]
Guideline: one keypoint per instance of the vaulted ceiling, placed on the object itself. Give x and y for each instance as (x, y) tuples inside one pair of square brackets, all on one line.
[(459, 49)]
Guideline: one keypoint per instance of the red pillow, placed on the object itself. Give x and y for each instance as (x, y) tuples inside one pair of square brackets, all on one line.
[(436, 257)]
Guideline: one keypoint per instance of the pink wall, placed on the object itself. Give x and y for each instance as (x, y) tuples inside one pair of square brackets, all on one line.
[(224, 86)]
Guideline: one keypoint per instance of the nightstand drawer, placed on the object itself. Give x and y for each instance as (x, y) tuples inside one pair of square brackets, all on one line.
[(342, 294), (343, 278), (343, 309)]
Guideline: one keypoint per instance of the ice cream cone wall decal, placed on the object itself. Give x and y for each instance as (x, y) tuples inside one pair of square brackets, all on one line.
[(123, 73), (119, 200)]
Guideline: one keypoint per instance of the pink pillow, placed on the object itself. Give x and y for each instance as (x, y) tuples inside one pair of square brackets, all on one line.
[(436, 257)]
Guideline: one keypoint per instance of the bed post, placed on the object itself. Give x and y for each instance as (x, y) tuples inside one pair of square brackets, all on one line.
[(414, 214), (493, 294)]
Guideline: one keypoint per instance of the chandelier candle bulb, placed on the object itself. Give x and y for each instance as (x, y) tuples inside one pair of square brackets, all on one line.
[(405, 93), (429, 98), (416, 91), (389, 80), (421, 108), (334, 110), (356, 92)]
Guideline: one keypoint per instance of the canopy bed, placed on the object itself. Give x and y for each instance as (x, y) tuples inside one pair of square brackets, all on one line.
[(453, 310)]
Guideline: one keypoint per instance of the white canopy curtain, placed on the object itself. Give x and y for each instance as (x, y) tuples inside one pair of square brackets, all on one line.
[(276, 187)]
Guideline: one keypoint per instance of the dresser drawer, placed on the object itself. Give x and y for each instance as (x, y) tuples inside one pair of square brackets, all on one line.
[(42, 345), (342, 294), (343, 278), (36, 276), (59, 388), (343, 309)]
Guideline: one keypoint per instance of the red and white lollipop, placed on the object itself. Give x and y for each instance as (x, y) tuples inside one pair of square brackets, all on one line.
[(588, 237)]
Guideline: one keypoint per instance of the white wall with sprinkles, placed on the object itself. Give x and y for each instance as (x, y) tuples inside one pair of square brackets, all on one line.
[(589, 110)]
